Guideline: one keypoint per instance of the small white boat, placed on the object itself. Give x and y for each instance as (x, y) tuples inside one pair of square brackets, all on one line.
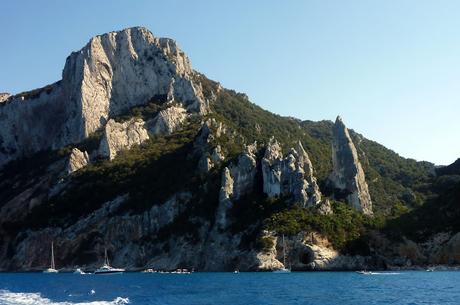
[(364, 272), (107, 269), (79, 271), (149, 270), (52, 268), (284, 269), (181, 271)]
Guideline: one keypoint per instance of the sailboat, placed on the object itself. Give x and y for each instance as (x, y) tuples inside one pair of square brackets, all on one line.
[(106, 268), (284, 269), (52, 268)]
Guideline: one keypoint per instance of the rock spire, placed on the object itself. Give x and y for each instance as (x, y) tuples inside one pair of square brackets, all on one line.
[(291, 175), (347, 178)]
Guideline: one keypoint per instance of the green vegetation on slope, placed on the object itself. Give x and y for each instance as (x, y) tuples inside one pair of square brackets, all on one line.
[(345, 228), (149, 173), (20, 174), (438, 214), (144, 112), (164, 165), (393, 181)]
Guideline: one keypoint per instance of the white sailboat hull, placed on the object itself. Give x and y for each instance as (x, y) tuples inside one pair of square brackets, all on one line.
[(50, 270), (283, 270), (110, 271), (106, 268)]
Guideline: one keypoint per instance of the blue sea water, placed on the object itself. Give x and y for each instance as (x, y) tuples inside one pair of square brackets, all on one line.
[(340, 288)]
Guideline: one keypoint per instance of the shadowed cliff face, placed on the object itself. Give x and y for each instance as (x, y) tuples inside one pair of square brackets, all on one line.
[(347, 177), (47, 120)]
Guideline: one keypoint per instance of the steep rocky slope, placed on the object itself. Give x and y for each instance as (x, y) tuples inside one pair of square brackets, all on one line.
[(347, 178), (110, 75), (165, 168)]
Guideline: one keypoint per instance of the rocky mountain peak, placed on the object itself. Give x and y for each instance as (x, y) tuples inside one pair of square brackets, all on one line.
[(113, 73), (347, 178), (119, 70), (130, 42)]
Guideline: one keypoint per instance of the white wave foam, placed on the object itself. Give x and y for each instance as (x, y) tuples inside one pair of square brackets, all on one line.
[(20, 298)]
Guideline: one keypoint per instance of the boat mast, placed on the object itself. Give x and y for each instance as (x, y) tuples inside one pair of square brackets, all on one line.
[(106, 259), (52, 256), (284, 252)]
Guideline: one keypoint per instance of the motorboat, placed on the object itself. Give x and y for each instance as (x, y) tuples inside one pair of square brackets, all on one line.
[(364, 272)]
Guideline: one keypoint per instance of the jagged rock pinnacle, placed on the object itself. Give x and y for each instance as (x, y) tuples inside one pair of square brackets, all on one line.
[(347, 178), (291, 175)]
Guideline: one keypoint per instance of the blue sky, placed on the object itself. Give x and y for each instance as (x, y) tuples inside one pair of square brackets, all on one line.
[(391, 69)]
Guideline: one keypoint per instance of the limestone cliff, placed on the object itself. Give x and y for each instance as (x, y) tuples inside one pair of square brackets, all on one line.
[(111, 74), (77, 159), (168, 120), (209, 155), (237, 180), (290, 176), (119, 136), (347, 178)]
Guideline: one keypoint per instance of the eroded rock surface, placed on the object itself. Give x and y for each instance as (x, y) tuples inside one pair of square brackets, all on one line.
[(119, 136), (347, 178), (111, 74), (167, 121), (208, 153), (291, 175), (77, 159), (4, 96), (237, 180), (268, 259), (449, 253)]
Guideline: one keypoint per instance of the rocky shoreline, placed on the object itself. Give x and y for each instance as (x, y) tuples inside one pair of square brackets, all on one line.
[(427, 268)]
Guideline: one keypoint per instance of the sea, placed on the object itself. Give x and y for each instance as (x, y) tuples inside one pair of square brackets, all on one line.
[(338, 288)]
